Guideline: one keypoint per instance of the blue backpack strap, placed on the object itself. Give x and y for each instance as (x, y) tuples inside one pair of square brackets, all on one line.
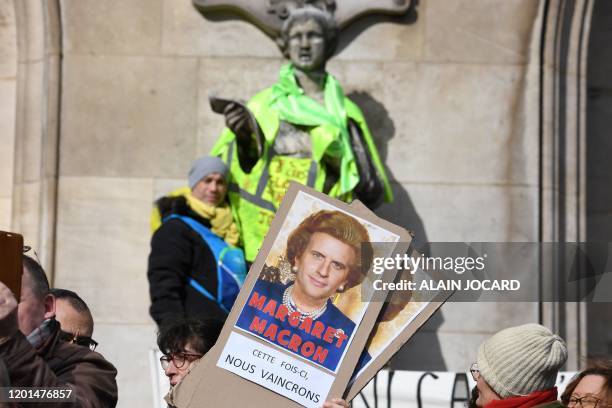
[(231, 267)]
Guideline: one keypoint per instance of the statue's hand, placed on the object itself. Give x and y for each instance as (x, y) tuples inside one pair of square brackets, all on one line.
[(8, 312), (237, 120)]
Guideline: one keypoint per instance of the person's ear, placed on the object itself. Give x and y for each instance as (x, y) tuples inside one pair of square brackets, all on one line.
[(49, 303), (296, 264)]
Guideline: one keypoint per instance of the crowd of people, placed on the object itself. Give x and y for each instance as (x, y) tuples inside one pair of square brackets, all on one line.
[(45, 341), (46, 335)]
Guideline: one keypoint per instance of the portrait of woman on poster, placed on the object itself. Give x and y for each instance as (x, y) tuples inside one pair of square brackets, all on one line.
[(329, 252)]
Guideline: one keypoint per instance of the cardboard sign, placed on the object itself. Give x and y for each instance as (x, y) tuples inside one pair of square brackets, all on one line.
[(400, 318), (273, 369), (302, 318), (389, 335)]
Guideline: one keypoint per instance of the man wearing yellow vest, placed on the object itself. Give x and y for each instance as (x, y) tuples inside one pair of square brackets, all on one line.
[(302, 128)]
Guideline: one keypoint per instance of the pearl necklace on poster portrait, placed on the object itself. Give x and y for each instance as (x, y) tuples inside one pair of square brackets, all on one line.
[(290, 305)]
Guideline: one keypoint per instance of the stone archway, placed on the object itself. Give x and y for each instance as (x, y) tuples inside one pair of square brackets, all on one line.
[(8, 92), (37, 124), (562, 160), (598, 170)]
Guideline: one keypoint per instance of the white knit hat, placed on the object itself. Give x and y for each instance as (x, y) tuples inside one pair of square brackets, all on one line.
[(522, 359)]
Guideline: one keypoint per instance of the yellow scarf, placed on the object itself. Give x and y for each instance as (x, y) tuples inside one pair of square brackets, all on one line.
[(220, 217)]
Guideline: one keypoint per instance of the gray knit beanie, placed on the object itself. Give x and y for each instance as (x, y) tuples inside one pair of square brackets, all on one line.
[(522, 359), (205, 166)]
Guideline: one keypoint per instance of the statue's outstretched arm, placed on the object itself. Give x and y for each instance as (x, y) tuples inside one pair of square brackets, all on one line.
[(249, 137)]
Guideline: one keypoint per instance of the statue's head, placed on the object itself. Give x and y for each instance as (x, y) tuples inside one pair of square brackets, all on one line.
[(308, 38)]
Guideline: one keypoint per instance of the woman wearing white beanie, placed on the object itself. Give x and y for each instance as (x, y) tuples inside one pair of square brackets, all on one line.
[(518, 366)]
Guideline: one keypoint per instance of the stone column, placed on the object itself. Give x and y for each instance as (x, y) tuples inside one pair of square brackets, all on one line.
[(37, 125), (562, 186), (8, 87)]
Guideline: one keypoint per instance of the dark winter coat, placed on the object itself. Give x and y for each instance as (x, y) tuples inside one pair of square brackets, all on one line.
[(59, 364), (178, 253)]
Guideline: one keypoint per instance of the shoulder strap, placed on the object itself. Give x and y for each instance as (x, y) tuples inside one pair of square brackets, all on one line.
[(228, 280), (216, 244)]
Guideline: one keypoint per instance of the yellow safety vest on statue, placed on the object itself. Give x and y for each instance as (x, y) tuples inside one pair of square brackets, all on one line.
[(255, 196)]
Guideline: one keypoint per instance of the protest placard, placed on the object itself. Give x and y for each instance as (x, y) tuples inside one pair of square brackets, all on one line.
[(404, 312), (302, 318)]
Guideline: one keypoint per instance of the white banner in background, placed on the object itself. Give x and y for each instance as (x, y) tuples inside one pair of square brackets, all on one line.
[(436, 391)]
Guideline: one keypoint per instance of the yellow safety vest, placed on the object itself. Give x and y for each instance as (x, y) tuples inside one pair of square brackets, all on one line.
[(255, 196)]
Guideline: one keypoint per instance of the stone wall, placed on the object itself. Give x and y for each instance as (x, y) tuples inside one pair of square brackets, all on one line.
[(8, 92), (446, 97)]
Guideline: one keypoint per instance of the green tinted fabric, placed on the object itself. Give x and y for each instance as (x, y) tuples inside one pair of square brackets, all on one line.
[(328, 130), (330, 134)]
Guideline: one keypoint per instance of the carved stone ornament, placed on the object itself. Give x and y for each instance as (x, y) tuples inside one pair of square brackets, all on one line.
[(268, 15)]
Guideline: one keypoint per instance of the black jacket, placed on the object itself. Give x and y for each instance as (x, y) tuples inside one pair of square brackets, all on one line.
[(177, 254)]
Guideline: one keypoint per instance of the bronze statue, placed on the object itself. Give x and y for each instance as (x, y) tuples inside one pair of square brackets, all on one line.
[(302, 128)]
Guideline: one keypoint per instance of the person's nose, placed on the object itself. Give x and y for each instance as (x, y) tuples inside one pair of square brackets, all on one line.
[(304, 42), (323, 269), (170, 370), (214, 187)]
